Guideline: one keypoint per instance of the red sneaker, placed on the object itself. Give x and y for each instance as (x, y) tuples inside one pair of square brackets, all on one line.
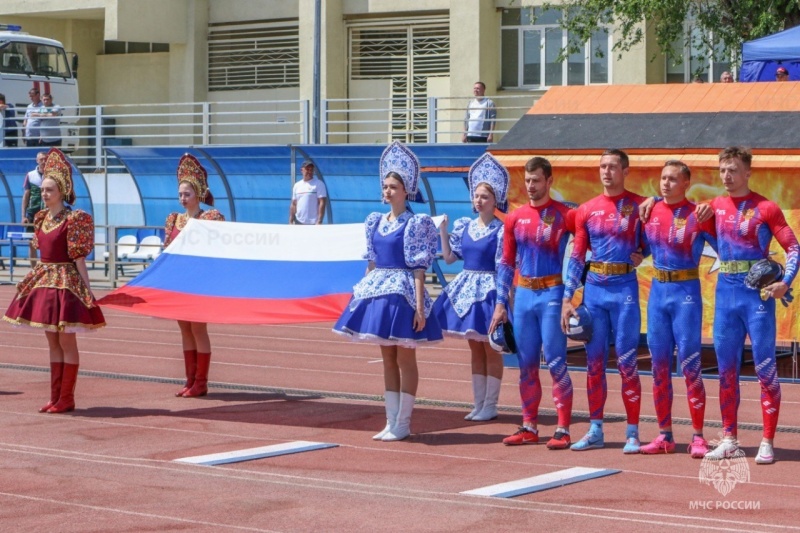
[(524, 435), (560, 441)]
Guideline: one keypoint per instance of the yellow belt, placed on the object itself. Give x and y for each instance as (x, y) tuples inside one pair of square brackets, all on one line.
[(611, 269), (665, 276), (537, 284), (736, 267)]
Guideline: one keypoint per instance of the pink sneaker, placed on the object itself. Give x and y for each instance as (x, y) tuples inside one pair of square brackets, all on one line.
[(698, 447), (659, 445)]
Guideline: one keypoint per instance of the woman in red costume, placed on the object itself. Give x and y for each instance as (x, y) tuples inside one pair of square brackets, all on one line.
[(192, 190), (55, 295)]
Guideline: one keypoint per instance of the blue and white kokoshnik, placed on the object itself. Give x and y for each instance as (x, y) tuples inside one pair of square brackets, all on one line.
[(398, 158), (489, 170)]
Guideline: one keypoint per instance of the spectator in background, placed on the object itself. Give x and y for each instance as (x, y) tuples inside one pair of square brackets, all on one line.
[(32, 120), (32, 201), (698, 79), (726, 77), (8, 126), (50, 125), (308, 198), (480, 118), (781, 74)]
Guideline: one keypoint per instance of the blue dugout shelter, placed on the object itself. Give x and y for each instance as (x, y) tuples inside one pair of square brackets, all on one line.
[(254, 183), (15, 163)]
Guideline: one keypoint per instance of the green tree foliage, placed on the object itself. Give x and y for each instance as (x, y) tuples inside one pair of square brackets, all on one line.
[(727, 22)]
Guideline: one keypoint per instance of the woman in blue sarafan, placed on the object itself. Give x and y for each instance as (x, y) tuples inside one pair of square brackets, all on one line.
[(390, 306), (465, 307)]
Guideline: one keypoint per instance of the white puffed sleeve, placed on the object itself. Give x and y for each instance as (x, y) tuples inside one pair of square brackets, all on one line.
[(370, 227), (457, 237), (498, 255), (419, 242)]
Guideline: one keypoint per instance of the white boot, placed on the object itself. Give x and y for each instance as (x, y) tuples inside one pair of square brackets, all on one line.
[(402, 428), (489, 411), (479, 392), (392, 400)]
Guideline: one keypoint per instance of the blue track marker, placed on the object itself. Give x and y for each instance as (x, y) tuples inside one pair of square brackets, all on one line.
[(262, 452), (543, 482)]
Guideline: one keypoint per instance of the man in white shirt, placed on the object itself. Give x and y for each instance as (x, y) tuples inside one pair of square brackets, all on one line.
[(32, 120), (308, 198), (480, 118), (50, 122)]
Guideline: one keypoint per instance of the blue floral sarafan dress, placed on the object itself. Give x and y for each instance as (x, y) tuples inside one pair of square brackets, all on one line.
[(384, 301), (465, 307)]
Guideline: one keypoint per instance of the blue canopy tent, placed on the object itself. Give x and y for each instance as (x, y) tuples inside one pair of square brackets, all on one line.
[(762, 57)]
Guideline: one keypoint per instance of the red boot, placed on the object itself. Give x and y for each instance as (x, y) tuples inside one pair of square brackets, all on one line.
[(66, 402), (200, 387), (56, 369), (190, 362)]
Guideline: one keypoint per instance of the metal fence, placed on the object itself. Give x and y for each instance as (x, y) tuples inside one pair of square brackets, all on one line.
[(353, 120)]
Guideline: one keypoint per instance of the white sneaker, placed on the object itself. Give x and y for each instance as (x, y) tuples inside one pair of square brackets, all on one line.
[(724, 450), (766, 456)]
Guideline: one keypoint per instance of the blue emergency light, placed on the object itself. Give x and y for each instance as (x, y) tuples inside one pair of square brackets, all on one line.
[(10, 27)]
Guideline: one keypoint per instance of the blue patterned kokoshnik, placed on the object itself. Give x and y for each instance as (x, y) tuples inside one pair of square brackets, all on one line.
[(487, 169), (399, 158)]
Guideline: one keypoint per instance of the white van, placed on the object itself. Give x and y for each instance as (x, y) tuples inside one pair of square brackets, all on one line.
[(28, 62)]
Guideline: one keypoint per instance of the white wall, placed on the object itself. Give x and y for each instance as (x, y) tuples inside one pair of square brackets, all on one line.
[(246, 10)]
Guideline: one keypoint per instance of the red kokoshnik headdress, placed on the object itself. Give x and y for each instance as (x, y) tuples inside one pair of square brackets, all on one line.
[(192, 172), (58, 169)]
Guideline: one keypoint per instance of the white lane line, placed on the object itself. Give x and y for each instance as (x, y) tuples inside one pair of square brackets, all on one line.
[(426, 496), (50, 502)]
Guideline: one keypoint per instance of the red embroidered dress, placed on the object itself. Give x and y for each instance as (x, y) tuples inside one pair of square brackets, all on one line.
[(177, 221), (53, 295)]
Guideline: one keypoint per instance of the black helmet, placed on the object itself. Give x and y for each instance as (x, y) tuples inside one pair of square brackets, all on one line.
[(502, 339), (763, 273), (580, 327)]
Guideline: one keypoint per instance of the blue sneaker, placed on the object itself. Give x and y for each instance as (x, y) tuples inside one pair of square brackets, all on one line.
[(632, 445), (593, 439)]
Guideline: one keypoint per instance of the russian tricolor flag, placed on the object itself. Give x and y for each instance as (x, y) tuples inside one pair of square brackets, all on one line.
[(239, 273)]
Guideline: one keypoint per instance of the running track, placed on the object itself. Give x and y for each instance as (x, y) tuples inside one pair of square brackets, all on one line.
[(109, 465)]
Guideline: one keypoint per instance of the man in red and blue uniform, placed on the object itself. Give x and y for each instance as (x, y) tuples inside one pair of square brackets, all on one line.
[(745, 223), (675, 308), (609, 224), (535, 240)]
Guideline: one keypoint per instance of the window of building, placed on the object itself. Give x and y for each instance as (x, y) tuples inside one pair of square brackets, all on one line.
[(253, 55), (125, 47), (408, 54), (698, 59), (531, 43)]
